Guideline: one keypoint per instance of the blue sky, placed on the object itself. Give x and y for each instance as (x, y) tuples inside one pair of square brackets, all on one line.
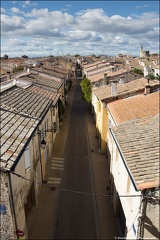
[(42, 28)]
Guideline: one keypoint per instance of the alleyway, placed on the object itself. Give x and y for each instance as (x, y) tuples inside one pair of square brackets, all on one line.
[(79, 171)]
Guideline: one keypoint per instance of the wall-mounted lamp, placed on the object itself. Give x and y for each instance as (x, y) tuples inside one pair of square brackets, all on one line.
[(42, 134), (43, 143)]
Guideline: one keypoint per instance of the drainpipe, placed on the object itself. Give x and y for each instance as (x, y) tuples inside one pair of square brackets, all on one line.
[(12, 202), (142, 214)]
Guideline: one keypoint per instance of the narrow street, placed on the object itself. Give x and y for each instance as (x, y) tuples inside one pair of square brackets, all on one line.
[(67, 207), (76, 216)]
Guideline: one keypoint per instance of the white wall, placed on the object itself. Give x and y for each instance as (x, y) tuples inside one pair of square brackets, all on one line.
[(123, 186)]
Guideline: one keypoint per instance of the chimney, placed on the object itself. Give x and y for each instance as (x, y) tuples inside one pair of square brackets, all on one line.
[(8, 76), (121, 80), (114, 88), (106, 81), (112, 69), (147, 89)]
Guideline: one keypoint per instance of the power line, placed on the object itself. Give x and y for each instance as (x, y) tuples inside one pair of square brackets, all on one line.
[(78, 192), (97, 194)]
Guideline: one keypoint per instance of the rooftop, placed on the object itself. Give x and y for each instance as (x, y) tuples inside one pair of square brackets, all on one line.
[(99, 76), (139, 106), (139, 143), (40, 79), (24, 102), (45, 93), (104, 92), (50, 72), (15, 132)]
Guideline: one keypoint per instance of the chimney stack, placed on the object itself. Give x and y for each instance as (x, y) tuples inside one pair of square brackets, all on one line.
[(114, 88), (121, 80), (106, 81), (147, 88)]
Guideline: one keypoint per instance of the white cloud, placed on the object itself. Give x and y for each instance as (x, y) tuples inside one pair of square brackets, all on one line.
[(10, 24), (16, 10), (117, 17), (119, 39), (28, 3), (3, 10), (89, 30)]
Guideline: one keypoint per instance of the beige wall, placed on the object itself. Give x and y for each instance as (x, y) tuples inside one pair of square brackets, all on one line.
[(21, 187), (38, 161), (104, 128), (101, 118)]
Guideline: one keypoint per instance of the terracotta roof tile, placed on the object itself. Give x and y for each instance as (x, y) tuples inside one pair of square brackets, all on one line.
[(48, 94), (104, 92), (135, 107), (50, 72), (99, 76)]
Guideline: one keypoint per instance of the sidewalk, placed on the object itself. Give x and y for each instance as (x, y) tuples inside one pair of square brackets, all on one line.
[(107, 221), (40, 221)]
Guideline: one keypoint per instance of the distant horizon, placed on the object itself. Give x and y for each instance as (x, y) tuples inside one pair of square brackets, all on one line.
[(79, 55), (35, 28)]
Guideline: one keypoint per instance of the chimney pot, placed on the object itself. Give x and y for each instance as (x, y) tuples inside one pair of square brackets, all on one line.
[(147, 89), (114, 88), (106, 82)]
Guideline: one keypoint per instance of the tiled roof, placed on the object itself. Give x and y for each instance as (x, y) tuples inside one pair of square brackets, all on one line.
[(57, 68), (41, 80), (15, 132), (50, 72), (48, 94), (97, 66), (99, 76), (100, 69), (104, 91), (25, 102), (139, 143), (135, 107), (89, 66)]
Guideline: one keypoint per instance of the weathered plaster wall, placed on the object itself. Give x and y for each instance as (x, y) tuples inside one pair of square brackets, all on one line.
[(7, 224)]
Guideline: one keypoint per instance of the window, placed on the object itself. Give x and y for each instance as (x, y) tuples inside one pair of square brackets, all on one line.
[(27, 159)]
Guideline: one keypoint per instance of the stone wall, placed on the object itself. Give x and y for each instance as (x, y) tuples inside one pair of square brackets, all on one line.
[(7, 226)]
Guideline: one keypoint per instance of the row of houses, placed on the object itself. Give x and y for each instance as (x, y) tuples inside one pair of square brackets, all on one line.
[(149, 64), (126, 114), (30, 120)]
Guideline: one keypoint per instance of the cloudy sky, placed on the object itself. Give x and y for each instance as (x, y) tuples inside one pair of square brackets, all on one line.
[(43, 28)]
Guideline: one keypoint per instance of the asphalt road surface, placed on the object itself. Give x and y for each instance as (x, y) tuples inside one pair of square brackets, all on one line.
[(76, 216)]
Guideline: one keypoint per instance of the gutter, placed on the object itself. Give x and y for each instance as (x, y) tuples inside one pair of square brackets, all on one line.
[(123, 159), (27, 142)]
